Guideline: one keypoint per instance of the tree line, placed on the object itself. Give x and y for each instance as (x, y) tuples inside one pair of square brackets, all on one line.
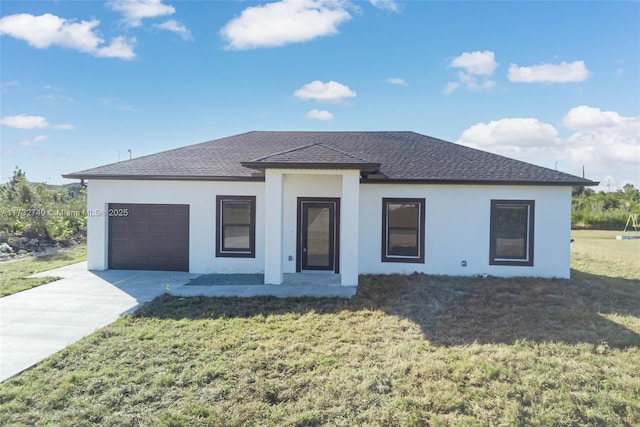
[(602, 210)]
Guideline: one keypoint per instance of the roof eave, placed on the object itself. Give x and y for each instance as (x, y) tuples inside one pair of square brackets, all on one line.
[(126, 177), (260, 178), (585, 183)]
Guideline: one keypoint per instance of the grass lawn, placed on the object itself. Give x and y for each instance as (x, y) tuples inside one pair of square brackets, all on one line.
[(598, 252), (407, 350), (13, 273)]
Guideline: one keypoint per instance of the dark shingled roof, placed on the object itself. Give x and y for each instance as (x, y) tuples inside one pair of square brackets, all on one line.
[(395, 156), (312, 156)]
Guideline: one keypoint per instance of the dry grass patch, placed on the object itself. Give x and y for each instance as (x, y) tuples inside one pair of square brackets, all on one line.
[(407, 350), (13, 274)]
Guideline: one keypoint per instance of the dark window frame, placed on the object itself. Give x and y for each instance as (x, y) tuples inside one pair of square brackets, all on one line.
[(386, 257), (221, 252), (529, 244)]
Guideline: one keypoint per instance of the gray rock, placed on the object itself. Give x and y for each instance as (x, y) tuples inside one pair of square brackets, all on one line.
[(4, 248)]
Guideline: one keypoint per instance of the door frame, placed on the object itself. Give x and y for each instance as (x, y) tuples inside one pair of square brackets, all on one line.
[(302, 201)]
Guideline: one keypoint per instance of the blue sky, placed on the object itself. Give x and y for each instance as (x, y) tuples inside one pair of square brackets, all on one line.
[(552, 83)]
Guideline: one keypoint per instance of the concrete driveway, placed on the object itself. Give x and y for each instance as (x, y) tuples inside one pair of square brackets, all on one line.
[(39, 322), (36, 323)]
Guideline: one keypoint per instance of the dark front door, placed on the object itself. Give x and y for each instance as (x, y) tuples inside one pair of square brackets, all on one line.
[(318, 225)]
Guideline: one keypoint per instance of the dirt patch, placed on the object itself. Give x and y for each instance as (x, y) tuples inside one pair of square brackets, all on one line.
[(15, 248)]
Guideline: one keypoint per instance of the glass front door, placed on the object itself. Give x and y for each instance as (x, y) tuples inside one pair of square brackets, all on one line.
[(318, 235)]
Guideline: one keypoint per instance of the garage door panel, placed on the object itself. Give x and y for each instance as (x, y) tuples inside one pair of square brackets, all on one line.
[(121, 227), (140, 227), (149, 237), (162, 227), (120, 243)]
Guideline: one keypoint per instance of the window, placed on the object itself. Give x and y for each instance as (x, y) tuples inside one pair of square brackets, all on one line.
[(236, 226), (511, 232), (403, 230)]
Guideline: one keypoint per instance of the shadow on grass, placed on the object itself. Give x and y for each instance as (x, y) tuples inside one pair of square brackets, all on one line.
[(455, 311)]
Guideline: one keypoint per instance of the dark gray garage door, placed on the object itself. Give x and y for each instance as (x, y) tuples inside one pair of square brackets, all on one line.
[(148, 237)]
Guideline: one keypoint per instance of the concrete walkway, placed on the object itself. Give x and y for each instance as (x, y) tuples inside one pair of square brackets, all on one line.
[(39, 322)]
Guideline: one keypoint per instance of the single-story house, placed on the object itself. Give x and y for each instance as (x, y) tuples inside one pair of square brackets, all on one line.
[(344, 203)]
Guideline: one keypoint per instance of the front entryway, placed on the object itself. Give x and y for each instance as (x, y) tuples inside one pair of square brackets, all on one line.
[(318, 237)]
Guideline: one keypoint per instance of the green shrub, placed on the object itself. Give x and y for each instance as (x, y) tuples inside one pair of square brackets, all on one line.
[(35, 209), (604, 211)]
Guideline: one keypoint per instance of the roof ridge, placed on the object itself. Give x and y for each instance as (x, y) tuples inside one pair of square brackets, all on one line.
[(289, 150), (337, 150)]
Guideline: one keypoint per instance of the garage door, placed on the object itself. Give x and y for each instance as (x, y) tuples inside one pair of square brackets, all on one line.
[(148, 237)]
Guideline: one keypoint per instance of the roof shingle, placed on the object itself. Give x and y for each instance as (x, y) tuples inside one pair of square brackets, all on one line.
[(398, 156)]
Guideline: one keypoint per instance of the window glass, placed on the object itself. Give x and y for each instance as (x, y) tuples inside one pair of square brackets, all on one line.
[(236, 237), (236, 212), (235, 234), (403, 230), (511, 232)]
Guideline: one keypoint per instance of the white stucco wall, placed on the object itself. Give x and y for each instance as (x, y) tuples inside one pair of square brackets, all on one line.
[(457, 223), (457, 228), (201, 198)]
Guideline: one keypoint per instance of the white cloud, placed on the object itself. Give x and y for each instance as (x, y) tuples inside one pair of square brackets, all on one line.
[(176, 27), (549, 73), (601, 140), (603, 137), (323, 115), (283, 22), (135, 11), (584, 117), (120, 47), (5, 85), (472, 83), (325, 92), (32, 141), (385, 4), (511, 134), (477, 67), (479, 63), (65, 126), (396, 81), (116, 104), (611, 183), (450, 87), (54, 98), (49, 30), (22, 121)]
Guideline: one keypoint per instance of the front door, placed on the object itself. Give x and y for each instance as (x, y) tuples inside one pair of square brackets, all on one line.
[(318, 235)]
